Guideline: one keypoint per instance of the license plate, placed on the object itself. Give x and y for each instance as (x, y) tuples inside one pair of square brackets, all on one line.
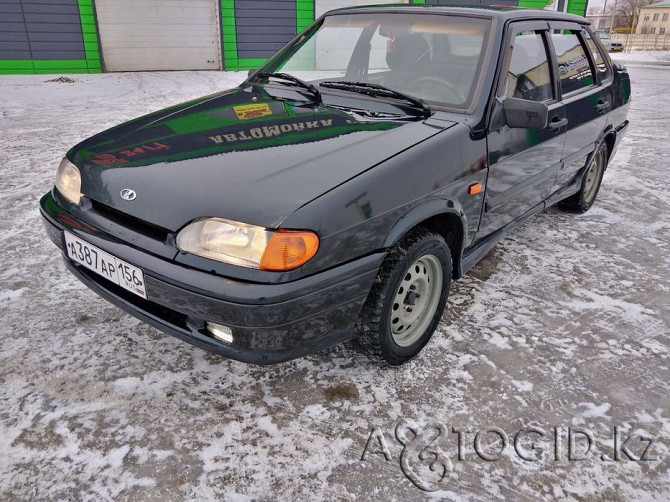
[(108, 266)]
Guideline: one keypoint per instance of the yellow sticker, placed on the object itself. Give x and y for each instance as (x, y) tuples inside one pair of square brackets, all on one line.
[(246, 112)]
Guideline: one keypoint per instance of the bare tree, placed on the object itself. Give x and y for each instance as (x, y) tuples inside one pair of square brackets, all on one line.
[(626, 10)]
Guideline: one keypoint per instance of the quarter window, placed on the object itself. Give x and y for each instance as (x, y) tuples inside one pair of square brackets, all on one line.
[(528, 74), (574, 70)]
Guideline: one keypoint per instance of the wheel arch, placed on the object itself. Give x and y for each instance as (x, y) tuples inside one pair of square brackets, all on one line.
[(440, 216)]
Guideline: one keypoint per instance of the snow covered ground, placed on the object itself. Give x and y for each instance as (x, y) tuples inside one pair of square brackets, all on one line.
[(643, 57), (564, 325)]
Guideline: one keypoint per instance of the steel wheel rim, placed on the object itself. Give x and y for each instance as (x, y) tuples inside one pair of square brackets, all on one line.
[(415, 300), (592, 175)]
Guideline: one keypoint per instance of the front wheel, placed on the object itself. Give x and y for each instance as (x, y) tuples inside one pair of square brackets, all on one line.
[(584, 199), (408, 297)]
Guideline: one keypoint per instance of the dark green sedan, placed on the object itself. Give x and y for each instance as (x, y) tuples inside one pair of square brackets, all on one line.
[(339, 190)]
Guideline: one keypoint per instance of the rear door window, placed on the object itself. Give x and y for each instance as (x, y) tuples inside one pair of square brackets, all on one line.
[(602, 68), (574, 69)]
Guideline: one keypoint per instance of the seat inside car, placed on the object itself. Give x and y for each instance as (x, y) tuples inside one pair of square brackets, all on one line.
[(432, 57), (409, 59)]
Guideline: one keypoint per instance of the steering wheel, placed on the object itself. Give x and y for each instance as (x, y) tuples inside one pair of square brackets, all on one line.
[(447, 86)]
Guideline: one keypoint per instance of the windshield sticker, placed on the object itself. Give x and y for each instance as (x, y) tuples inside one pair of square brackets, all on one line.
[(246, 112)]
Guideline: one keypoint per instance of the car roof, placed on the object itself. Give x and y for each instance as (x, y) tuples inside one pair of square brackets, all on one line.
[(501, 12)]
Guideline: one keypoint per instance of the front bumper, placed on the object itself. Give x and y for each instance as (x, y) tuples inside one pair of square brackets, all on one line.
[(271, 323)]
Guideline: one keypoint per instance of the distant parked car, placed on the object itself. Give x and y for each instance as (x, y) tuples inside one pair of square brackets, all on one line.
[(343, 185), (616, 47), (605, 39)]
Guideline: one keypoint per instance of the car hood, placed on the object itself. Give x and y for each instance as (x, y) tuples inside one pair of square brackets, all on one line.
[(243, 155)]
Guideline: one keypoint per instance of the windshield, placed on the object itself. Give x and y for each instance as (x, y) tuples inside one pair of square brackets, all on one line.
[(436, 58)]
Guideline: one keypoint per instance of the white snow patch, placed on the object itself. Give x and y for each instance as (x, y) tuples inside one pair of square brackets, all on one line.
[(592, 411), (116, 455), (497, 340), (523, 385), (316, 412)]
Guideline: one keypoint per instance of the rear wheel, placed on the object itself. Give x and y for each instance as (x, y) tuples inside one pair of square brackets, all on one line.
[(584, 199), (407, 298)]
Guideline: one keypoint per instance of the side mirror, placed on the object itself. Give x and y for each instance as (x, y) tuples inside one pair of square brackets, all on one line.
[(523, 113)]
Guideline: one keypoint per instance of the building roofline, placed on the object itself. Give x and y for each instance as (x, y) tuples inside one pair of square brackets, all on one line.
[(659, 5)]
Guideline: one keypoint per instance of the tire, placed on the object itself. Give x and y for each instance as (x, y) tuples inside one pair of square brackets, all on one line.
[(404, 306), (593, 177)]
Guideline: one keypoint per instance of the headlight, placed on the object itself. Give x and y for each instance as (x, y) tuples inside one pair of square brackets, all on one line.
[(68, 181), (248, 245)]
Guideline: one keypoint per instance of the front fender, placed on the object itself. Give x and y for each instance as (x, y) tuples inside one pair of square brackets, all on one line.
[(372, 211)]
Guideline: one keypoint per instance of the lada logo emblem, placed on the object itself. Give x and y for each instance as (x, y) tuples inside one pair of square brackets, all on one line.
[(128, 194)]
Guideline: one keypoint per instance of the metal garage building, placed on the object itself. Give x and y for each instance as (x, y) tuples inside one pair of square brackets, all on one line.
[(89, 36)]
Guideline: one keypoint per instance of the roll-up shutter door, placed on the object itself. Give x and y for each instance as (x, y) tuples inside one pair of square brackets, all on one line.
[(159, 34)]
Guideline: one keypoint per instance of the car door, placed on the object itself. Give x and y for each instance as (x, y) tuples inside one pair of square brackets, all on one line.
[(585, 95), (523, 162)]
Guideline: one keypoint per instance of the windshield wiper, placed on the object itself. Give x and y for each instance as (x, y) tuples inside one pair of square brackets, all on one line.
[(376, 90), (295, 81)]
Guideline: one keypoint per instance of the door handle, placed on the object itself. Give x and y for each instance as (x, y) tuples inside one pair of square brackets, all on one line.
[(602, 105), (556, 123)]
